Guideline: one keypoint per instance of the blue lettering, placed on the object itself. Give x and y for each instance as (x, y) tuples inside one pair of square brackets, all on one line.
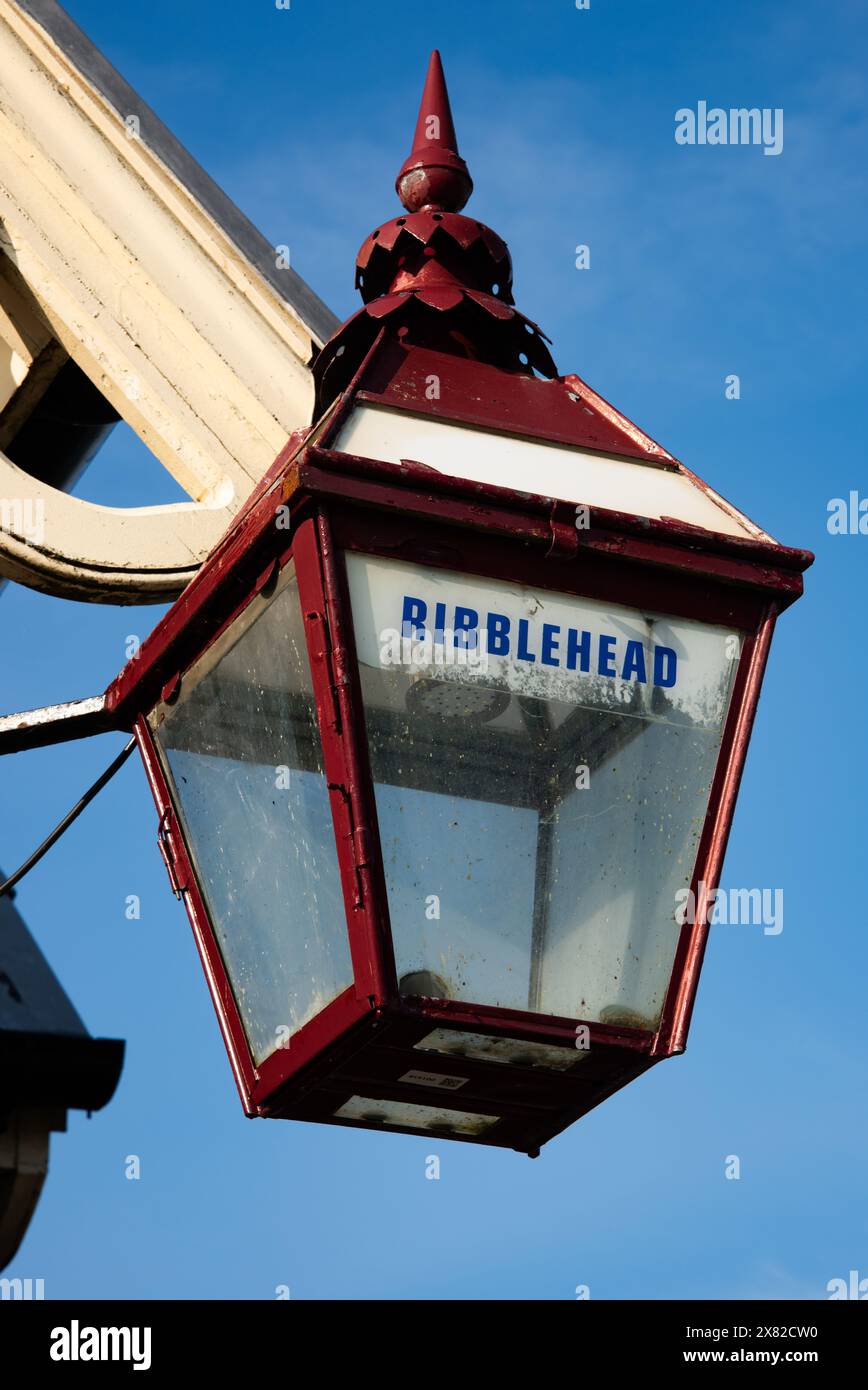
[(466, 623), (578, 646), (665, 666), (607, 656), (522, 653), (498, 634), (574, 653), (413, 617), (548, 656), (634, 663)]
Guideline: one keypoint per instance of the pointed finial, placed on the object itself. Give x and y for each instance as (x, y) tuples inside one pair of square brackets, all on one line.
[(434, 175)]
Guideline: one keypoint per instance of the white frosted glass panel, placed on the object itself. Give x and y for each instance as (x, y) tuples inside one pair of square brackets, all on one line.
[(513, 1052), (446, 848), (242, 752), (542, 766), (552, 470), (410, 1116), (620, 850)]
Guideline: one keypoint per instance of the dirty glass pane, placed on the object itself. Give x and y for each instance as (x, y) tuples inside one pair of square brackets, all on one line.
[(242, 751), (437, 1118), (515, 1052), (542, 767)]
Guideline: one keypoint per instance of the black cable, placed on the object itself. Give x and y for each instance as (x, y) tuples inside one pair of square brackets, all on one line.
[(69, 818)]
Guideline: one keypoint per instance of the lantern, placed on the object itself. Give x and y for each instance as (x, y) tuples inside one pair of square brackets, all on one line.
[(449, 727)]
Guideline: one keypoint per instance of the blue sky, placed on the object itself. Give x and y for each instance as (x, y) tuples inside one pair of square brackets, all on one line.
[(705, 261)]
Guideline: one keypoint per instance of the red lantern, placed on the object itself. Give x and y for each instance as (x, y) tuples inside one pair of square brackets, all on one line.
[(451, 723)]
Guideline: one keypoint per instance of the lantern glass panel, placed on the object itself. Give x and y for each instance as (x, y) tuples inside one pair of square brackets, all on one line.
[(515, 1052), (412, 1116), (542, 768), (241, 750)]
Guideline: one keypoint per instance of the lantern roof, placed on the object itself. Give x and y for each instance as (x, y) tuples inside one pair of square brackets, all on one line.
[(439, 339), (433, 277)]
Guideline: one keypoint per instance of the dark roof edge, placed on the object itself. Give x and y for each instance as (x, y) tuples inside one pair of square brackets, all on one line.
[(287, 284), (79, 1073)]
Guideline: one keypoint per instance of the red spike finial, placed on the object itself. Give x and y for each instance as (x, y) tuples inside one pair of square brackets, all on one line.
[(434, 175)]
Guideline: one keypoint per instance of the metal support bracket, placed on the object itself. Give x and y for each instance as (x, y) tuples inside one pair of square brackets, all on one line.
[(38, 728)]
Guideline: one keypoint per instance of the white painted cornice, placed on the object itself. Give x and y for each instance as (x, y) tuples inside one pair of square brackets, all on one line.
[(145, 274)]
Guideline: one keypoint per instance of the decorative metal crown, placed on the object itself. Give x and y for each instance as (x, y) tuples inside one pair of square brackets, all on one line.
[(434, 278)]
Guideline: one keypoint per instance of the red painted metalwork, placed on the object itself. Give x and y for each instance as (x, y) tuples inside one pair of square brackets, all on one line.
[(677, 1011), (562, 411), (418, 274), (345, 764), (432, 276), (434, 174), (414, 488), (219, 590), (435, 521)]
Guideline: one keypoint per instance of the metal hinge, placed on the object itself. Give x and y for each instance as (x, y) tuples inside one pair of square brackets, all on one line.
[(165, 831), (322, 654), (359, 837), (360, 840), (361, 847)]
